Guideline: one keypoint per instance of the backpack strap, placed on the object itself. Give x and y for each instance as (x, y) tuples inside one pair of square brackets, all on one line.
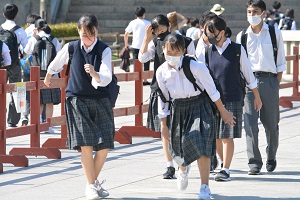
[(274, 42), (71, 52), (244, 37), (1, 57), (187, 72)]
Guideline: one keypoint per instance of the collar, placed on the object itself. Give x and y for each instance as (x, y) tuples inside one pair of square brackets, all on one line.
[(264, 26), (43, 34), (10, 22), (89, 49)]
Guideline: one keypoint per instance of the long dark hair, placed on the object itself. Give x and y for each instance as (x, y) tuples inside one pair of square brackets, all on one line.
[(219, 24), (88, 23), (41, 25)]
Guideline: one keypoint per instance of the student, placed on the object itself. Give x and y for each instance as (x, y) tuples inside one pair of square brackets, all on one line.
[(269, 19), (10, 12), (194, 32), (137, 27), (185, 26), (203, 40), (89, 113), (269, 74), (288, 22), (152, 48), (30, 20), (226, 67), (49, 97), (192, 122), (277, 14)]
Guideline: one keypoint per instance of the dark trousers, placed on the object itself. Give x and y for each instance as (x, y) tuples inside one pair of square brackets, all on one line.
[(269, 116), (14, 76), (135, 53), (26, 77)]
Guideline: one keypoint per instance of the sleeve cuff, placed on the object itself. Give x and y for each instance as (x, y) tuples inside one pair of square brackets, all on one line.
[(163, 115), (215, 96), (252, 85)]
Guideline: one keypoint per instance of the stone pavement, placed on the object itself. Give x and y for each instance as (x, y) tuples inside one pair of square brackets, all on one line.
[(134, 172)]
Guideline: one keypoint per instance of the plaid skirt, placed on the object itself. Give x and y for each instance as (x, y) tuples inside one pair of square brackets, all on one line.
[(192, 129), (153, 121), (90, 122), (226, 131), (50, 96)]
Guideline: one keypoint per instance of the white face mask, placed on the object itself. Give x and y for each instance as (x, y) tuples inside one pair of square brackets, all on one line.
[(173, 60), (254, 20)]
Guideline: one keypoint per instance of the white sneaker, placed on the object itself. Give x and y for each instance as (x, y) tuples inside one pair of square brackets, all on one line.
[(91, 191), (182, 178), (101, 191), (204, 192), (50, 131)]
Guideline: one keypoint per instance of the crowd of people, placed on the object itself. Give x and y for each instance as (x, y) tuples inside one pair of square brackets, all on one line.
[(193, 59)]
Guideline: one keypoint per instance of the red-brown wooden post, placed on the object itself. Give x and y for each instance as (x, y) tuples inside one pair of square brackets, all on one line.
[(3, 75), (35, 106), (138, 67), (296, 71)]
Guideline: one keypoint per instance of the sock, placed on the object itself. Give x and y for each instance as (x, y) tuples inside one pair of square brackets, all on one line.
[(226, 170), (170, 164)]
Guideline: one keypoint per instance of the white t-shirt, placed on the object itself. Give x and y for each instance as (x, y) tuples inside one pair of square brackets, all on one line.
[(193, 33), (138, 28)]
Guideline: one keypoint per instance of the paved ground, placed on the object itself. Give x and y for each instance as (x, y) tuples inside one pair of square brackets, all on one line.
[(134, 172)]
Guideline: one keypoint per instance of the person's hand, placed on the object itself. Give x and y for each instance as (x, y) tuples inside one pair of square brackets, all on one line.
[(165, 133), (47, 80), (90, 69), (149, 33), (257, 104), (228, 118)]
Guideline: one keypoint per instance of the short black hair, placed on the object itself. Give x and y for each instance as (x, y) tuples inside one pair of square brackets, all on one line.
[(257, 3), (206, 16), (194, 21), (276, 5), (176, 41), (159, 20), (140, 11), (10, 11), (31, 18), (88, 23)]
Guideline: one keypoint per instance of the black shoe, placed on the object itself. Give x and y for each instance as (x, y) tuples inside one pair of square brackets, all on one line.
[(169, 174), (12, 125), (254, 171), (24, 122), (146, 83), (222, 176), (271, 165)]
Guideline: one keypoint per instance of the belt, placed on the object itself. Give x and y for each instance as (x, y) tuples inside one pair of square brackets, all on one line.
[(264, 74)]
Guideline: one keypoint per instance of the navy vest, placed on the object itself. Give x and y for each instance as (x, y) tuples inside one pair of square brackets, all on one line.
[(79, 83), (226, 68)]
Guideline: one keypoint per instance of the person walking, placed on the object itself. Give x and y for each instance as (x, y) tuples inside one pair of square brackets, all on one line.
[(137, 27), (267, 67), (228, 62), (89, 115), (192, 122), (152, 48)]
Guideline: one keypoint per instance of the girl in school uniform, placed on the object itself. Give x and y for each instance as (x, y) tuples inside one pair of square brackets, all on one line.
[(224, 63), (49, 97), (192, 122), (152, 49), (89, 113)]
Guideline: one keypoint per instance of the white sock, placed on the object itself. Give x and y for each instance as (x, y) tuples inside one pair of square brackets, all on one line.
[(170, 164), (226, 170)]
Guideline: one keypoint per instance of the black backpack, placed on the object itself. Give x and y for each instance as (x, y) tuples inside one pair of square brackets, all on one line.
[(286, 24), (187, 72), (43, 53), (10, 39), (273, 39), (113, 87)]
